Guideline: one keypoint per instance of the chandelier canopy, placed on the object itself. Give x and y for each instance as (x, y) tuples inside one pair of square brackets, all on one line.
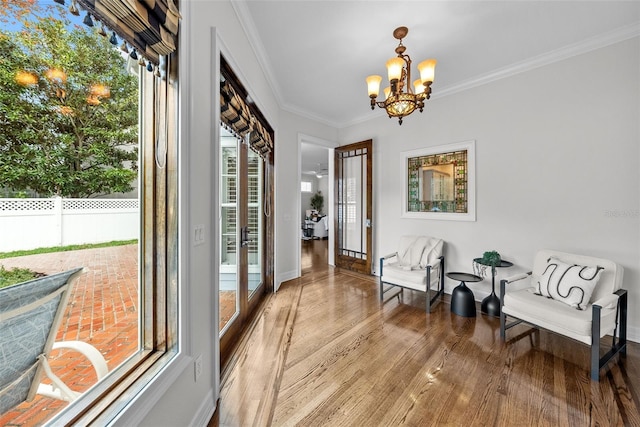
[(400, 98)]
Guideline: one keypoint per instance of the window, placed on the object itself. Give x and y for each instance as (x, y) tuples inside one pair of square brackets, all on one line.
[(305, 187), (121, 107)]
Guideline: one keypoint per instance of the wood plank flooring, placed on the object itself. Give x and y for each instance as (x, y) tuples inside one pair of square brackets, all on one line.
[(324, 350)]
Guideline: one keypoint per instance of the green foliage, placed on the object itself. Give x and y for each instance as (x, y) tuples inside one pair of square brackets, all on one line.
[(15, 275), (59, 136), (67, 248), (491, 258), (317, 201)]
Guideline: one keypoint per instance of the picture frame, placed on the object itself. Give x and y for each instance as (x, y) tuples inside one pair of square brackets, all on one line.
[(440, 182)]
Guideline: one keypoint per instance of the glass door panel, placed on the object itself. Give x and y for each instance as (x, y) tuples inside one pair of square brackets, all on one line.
[(354, 233), (255, 183), (229, 283)]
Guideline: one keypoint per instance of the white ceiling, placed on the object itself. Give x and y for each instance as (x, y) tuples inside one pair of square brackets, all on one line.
[(316, 54), (315, 160)]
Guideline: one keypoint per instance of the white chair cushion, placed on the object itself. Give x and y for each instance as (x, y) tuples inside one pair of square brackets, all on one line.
[(571, 284), (396, 274), (555, 315)]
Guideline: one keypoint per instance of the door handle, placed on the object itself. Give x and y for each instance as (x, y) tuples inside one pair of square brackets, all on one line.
[(367, 223), (244, 236)]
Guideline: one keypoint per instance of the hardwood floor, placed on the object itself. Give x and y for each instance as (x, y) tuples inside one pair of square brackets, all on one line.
[(324, 350)]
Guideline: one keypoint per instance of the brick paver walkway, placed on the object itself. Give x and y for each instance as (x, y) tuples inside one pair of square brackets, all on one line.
[(102, 311)]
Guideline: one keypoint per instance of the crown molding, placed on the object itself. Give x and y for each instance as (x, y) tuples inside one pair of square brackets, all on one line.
[(249, 28), (603, 40)]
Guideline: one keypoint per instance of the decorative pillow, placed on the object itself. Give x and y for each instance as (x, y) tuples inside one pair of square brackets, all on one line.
[(570, 283)]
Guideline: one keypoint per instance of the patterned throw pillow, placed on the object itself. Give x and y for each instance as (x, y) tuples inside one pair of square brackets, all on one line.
[(570, 283)]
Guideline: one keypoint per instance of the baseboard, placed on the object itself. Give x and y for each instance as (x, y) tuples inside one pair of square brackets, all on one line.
[(205, 412), (283, 277)]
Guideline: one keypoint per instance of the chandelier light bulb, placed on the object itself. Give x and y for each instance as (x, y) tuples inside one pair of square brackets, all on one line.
[(394, 68), (56, 75), (427, 70), (373, 85), (26, 78)]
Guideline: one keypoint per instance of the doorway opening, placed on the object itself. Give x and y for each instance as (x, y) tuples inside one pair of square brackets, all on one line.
[(316, 192)]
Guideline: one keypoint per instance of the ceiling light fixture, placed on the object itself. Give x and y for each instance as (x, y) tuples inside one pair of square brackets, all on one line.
[(400, 98)]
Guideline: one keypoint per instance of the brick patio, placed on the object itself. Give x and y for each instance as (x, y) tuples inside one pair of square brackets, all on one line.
[(102, 311)]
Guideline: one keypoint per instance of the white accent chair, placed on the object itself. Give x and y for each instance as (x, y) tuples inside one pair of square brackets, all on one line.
[(320, 227), (605, 313), (30, 314), (417, 265)]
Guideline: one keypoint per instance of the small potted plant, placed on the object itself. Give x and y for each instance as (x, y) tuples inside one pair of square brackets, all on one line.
[(491, 259)]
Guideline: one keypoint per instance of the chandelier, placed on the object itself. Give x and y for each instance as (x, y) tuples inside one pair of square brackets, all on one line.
[(400, 98)]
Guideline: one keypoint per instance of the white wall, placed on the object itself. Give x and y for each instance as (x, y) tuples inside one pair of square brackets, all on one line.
[(287, 188), (305, 197), (323, 187), (557, 166)]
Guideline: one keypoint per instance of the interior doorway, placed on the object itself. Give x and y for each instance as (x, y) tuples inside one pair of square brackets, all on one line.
[(316, 198)]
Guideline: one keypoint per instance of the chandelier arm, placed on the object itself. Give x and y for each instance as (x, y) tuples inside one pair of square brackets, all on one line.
[(407, 60)]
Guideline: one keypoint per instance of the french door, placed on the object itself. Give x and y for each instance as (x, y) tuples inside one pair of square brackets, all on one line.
[(241, 237), (353, 206)]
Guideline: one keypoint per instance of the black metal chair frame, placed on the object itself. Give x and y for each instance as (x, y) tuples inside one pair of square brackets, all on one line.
[(430, 300), (619, 342)]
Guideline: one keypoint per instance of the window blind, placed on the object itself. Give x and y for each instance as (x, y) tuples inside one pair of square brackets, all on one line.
[(236, 114), (150, 26)]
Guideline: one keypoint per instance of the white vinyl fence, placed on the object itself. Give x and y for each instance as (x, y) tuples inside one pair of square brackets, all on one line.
[(38, 223)]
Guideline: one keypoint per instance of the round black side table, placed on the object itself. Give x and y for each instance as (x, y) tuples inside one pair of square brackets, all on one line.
[(491, 304), (462, 301)]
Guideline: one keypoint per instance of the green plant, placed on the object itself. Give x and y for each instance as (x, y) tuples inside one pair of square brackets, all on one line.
[(52, 249), (68, 106), (491, 258), (317, 201), (15, 275)]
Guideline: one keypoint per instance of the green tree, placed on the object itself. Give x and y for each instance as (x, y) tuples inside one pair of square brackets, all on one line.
[(68, 107)]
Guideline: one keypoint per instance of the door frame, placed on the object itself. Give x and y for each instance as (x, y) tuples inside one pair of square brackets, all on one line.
[(329, 145)]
